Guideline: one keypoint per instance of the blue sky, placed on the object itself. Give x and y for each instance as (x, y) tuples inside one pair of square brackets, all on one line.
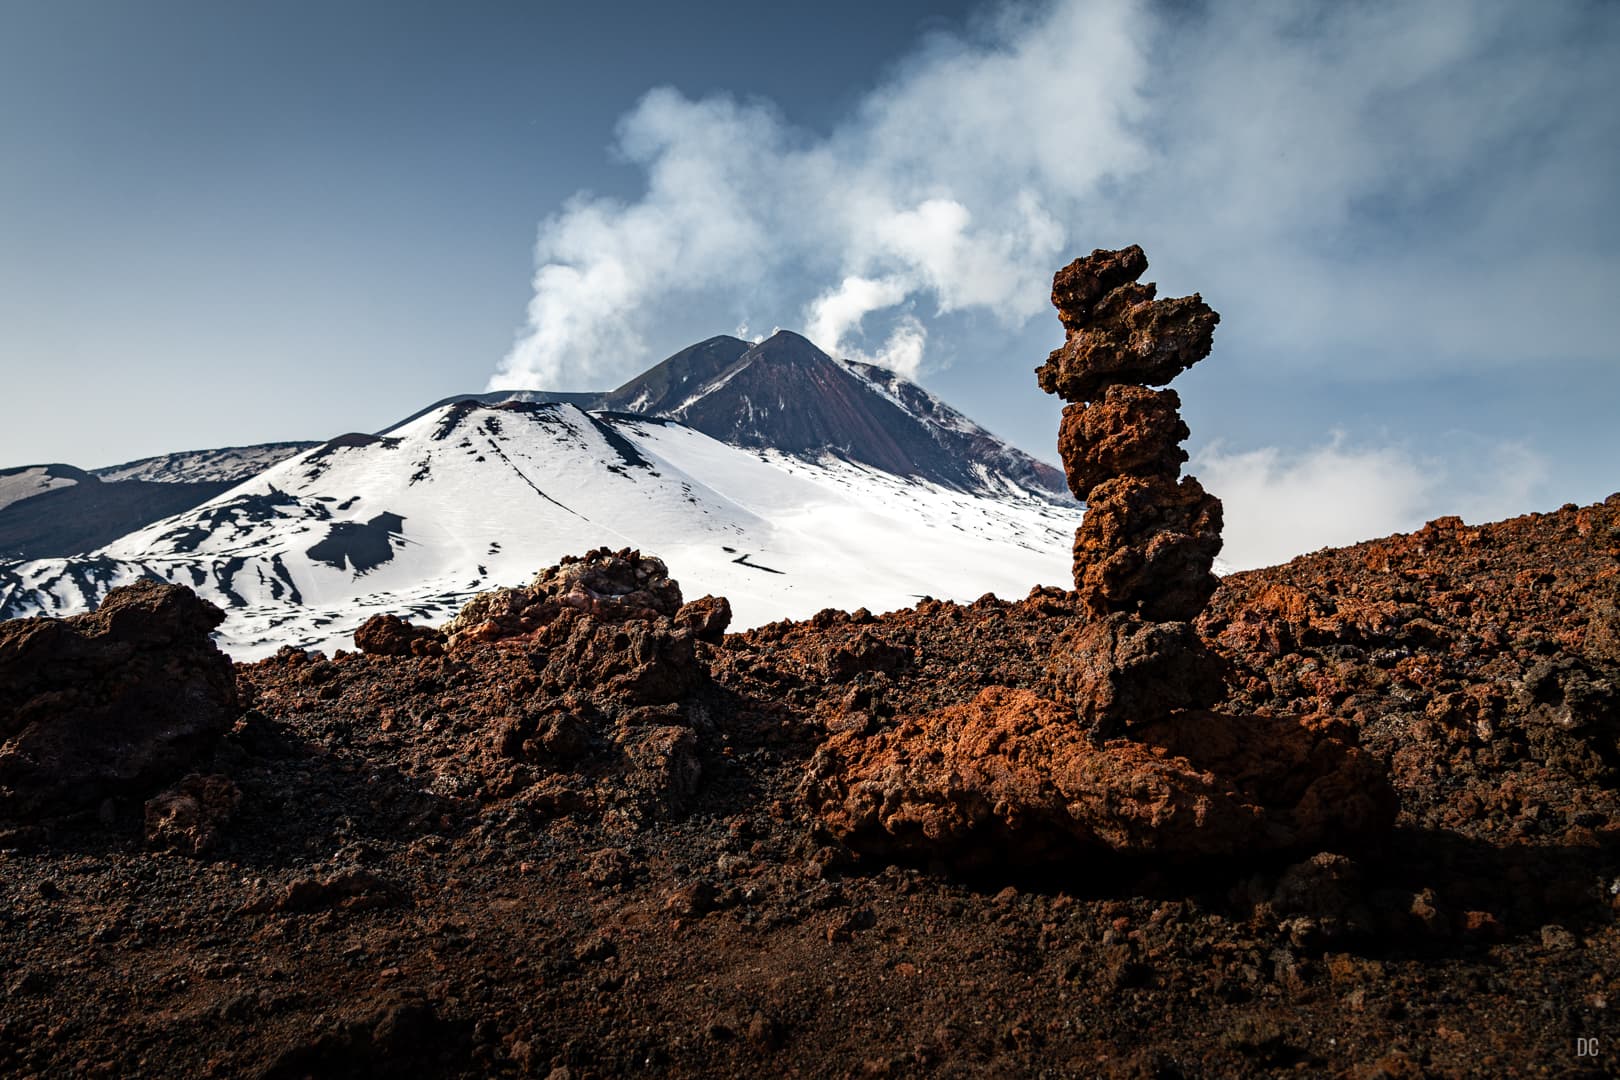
[(231, 223)]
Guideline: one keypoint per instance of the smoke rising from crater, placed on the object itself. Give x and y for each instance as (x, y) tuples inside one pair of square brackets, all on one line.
[(1292, 162)]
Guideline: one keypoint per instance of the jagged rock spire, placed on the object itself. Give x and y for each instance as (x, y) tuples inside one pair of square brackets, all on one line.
[(1143, 553)]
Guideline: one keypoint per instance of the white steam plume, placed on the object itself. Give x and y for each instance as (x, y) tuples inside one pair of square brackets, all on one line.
[(1295, 162), (934, 187)]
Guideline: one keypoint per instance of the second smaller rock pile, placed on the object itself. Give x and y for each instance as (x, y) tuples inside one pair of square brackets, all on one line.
[(587, 679)]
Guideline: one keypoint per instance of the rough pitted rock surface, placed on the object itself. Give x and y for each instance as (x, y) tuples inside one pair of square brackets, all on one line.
[(1129, 431), (191, 816), (1145, 548), (1117, 332), (1121, 666), (390, 635), (610, 586), (109, 703), (440, 867), (1009, 779)]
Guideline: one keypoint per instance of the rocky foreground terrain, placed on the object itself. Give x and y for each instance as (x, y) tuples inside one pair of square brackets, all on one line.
[(593, 849), (1358, 815)]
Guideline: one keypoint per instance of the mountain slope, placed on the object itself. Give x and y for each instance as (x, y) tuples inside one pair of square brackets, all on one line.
[(470, 496), (781, 393), (50, 510), (231, 464), (786, 393), (57, 510)]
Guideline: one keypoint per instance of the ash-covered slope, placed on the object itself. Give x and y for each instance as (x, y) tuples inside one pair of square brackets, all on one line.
[(230, 464), (786, 394), (48, 510), (470, 496)]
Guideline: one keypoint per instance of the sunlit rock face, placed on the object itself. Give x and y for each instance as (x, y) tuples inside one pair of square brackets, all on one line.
[(1143, 554)]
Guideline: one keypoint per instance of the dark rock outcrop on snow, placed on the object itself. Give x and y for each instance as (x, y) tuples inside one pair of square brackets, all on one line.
[(109, 703)]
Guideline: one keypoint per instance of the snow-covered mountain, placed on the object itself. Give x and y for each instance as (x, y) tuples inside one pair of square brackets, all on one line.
[(230, 464), (786, 394), (471, 496), (836, 485), (53, 510)]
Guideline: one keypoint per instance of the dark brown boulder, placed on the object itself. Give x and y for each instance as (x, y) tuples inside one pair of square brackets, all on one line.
[(637, 662), (1124, 336), (1078, 286), (1146, 546), (109, 703), (1119, 670), (707, 617), (390, 635)]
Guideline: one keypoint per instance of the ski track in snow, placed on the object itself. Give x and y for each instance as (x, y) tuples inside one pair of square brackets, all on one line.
[(450, 506)]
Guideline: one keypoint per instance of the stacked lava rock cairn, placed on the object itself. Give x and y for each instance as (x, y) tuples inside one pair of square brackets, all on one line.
[(1143, 553)]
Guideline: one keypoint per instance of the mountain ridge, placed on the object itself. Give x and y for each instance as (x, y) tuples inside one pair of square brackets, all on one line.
[(739, 392), (477, 495)]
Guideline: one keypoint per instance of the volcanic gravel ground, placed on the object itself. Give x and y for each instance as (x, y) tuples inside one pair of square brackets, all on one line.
[(465, 865)]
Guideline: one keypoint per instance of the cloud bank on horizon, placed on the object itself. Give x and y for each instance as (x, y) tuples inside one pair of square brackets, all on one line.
[(1370, 185)]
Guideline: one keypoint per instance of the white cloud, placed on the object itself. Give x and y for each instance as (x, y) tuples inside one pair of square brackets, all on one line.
[(1281, 504), (835, 314), (1381, 180)]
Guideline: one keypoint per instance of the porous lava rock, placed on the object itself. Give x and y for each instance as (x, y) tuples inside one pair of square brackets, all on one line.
[(191, 816), (1117, 332), (111, 702), (390, 635), (609, 661), (1129, 431), (1009, 779), (1118, 665), (610, 586), (707, 617), (1148, 541), (1145, 547)]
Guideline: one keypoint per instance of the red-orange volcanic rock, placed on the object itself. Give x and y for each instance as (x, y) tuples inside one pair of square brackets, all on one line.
[(1146, 547), (1010, 779), (1117, 331), (1129, 431), (1078, 286), (390, 635)]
